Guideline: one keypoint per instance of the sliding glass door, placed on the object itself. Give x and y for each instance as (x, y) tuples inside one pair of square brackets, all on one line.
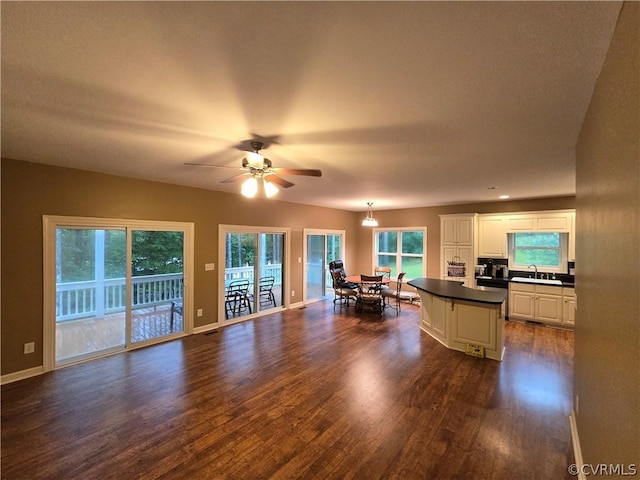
[(254, 274), (157, 284), (109, 287), (321, 247), (90, 291)]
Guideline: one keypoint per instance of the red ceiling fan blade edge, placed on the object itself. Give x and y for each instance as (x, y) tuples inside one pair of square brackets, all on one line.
[(278, 181)]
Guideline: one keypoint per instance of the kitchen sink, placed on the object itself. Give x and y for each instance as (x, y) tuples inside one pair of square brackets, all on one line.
[(542, 281)]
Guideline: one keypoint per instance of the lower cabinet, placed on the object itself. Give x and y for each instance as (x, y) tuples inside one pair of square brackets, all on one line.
[(521, 304), (549, 308), (542, 303), (569, 308)]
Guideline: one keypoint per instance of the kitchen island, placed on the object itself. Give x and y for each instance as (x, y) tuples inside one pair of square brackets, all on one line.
[(464, 319)]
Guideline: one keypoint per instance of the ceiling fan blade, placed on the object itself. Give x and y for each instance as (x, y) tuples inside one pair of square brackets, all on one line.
[(278, 181), (309, 172), (235, 177)]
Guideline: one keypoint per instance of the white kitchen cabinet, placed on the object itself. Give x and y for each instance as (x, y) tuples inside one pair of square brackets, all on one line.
[(546, 221), (458, 243), (540, 303), (457, 229), (521, 223), (569, 306), (548, 308), (492, 236), (456, 253), (521, 305)]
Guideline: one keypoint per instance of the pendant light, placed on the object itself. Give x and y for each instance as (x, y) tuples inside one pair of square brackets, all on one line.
[(369, 221)]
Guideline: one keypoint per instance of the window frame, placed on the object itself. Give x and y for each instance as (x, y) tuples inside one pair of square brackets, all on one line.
[(399, 254), (223, 229), (563, 250), (50, 223)]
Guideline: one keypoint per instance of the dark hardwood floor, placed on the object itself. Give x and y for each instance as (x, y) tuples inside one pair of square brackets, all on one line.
[(300, 394)]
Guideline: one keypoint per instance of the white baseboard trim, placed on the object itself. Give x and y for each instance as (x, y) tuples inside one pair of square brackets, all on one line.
[(575, 440), (205, 328), (296, 305), (21, 375)]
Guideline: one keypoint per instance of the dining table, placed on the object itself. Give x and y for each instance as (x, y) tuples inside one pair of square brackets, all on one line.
[(358, 279)]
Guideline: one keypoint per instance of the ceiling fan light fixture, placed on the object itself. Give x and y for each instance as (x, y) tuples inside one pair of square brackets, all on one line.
[(255, 159), (250, 187), (270, 189), (369, 221)]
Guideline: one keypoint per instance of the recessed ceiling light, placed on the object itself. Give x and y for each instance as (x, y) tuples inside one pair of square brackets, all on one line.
[(503, 197)]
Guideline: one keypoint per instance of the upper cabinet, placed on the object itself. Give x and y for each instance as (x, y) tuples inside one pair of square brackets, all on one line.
[(457, 229), (559, 221), (493, 229), (492, 236)]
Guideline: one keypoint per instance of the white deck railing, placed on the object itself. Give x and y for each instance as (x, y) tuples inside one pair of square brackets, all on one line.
[(247, 273), (99, 297)]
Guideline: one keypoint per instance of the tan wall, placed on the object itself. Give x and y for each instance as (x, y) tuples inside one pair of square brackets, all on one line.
[(30, 191), (607, 335)]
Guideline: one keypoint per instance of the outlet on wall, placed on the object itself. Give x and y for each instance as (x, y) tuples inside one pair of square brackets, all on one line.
[(293, 293), (29, 347), (199, 312)]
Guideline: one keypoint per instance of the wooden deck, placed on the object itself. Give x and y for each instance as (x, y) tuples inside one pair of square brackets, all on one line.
[(90, 335), (305, 393)]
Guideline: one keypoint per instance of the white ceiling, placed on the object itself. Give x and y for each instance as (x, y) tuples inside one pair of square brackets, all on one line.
[(403, 104)]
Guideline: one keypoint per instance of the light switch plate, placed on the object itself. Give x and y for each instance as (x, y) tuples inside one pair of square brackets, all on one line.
[(209, 266)]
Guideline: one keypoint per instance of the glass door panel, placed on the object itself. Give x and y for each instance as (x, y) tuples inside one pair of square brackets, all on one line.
[(321, 249), (90, 294), (157, 286), (333, 249), (240, 255), (268, 288), (315, 277)]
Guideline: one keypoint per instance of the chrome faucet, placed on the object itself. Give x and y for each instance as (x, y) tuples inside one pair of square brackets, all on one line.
[(536, 270)]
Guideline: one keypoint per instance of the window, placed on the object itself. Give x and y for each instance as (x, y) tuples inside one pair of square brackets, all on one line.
[(402, 250), (548, 251)]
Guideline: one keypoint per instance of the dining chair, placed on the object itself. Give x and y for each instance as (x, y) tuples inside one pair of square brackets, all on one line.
[(338, 267), (343, 293), (385, 272), (370, 294), (394, 294)]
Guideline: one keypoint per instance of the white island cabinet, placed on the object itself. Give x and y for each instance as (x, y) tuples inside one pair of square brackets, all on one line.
[(462, 318)]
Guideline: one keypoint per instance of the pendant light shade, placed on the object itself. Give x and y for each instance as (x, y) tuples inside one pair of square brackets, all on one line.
[(369, 221)]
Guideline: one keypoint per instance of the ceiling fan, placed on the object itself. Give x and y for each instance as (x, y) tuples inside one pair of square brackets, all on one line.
[(261, 173)]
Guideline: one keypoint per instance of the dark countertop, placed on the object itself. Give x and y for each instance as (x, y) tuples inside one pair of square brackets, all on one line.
[(506, 281), (455, 290), (532, 282)]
